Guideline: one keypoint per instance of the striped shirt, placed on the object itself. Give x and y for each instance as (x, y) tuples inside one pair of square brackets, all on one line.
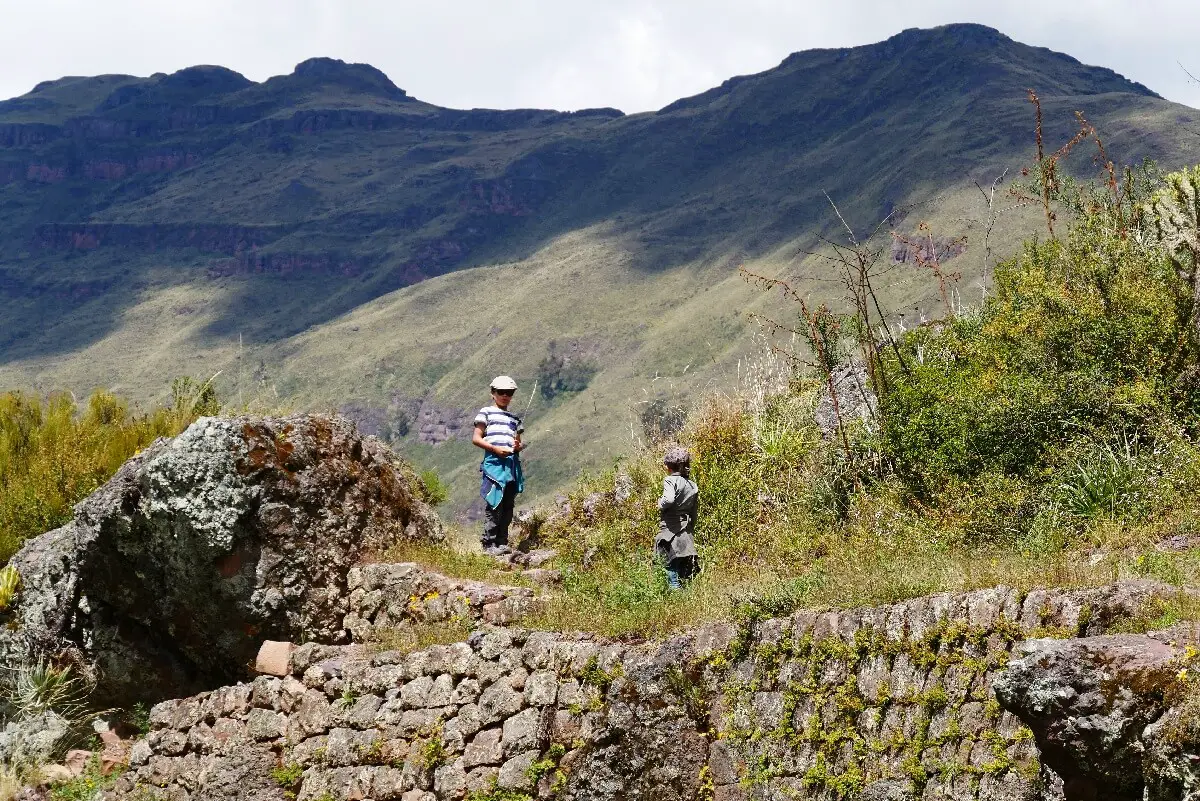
[(501, 427)]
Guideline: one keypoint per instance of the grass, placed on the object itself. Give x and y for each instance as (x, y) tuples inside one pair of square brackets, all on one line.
[(418, 636), (11, 783), (460, 558), (1161, 613), (769, 535), (53, 454), (788, 552)]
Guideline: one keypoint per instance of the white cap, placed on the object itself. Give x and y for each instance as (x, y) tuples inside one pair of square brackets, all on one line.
[(503, 382)]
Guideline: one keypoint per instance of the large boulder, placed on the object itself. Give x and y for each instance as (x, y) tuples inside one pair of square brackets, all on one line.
[(1100, 710), (199, 548), (33, 740)]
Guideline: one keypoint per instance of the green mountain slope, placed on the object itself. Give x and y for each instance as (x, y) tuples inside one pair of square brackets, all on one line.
[(323, 239)]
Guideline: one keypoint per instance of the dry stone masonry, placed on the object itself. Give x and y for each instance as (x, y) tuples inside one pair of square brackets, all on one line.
[(386, 596), (894, 702)]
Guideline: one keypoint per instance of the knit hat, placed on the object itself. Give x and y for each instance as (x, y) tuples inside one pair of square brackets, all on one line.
[(678, 457)]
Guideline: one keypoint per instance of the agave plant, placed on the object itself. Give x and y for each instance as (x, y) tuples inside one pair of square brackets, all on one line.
[(42, 686), (1107, 481)]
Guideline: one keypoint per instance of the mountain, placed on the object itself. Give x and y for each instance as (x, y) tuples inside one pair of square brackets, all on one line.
[(322, 239)]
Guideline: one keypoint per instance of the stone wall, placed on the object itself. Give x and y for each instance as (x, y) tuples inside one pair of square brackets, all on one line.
[(384, 596), (891, 702)]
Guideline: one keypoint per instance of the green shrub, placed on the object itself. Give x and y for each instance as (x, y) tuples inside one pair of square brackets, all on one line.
[(435, 491), (288, 775), (558, 374), (53, 454), (33, 688), (1081, 336), (1160, 566)]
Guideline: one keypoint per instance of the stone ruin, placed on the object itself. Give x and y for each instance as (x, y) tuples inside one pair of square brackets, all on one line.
[(239, 531), (894, 702)]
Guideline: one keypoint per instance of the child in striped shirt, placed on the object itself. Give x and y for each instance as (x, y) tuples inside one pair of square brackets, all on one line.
[(498, 433)]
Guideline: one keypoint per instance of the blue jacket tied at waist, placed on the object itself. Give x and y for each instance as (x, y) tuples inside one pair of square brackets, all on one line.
[(497, 472)]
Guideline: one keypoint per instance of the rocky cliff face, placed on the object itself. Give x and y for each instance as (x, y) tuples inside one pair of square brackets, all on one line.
[(1115, 716), (237, 530)]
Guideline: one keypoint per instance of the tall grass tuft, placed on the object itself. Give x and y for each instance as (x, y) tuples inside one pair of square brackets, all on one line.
[(54, 453), (1110, 479)]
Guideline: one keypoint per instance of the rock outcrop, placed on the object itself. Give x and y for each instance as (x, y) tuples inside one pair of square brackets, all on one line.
[(1098, 709), (893, 702), (238, 530), (852, 400)]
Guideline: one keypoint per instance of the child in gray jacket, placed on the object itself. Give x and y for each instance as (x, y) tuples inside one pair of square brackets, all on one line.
[(675, 545)]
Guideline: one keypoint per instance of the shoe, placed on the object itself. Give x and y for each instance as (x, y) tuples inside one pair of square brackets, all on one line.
[(503, 550)]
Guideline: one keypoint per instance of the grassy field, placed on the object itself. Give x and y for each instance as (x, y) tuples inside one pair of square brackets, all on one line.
[(54, 453)]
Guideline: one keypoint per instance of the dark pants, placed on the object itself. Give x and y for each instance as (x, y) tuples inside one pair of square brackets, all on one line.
[(681, 570), (496, 520)]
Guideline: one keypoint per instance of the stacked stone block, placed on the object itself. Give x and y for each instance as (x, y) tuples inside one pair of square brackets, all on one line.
[(394, 595), (890, 702)]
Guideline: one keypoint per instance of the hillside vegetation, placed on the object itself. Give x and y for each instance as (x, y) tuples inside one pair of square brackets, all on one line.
[(1047, 437), (53, 454), (324, 240)]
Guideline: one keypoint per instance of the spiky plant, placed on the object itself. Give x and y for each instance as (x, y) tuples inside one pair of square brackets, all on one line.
[(1175, 220), (44, 687)]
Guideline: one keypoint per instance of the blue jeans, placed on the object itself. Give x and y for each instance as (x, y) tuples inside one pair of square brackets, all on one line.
[(680, 570)]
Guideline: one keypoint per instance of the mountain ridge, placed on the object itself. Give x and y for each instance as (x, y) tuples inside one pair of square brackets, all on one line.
[(201, 222)]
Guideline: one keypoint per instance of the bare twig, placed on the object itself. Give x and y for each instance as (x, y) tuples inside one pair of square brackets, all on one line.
[(989, 197)]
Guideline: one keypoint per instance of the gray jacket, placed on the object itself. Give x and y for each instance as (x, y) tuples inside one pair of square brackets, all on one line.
[(676, 518)]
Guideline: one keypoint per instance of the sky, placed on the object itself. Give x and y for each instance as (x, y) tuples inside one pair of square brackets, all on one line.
[(634, 55)]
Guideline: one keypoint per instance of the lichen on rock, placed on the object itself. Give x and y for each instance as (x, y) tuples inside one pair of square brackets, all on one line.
[(238, 530), (1101, 711)]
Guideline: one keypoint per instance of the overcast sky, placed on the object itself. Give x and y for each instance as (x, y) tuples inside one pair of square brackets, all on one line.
[(567, 54)]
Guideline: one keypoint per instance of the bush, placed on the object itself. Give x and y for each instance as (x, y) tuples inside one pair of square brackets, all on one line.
[(435, 491), (1083, 336), (52, 454), (558, 374)]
